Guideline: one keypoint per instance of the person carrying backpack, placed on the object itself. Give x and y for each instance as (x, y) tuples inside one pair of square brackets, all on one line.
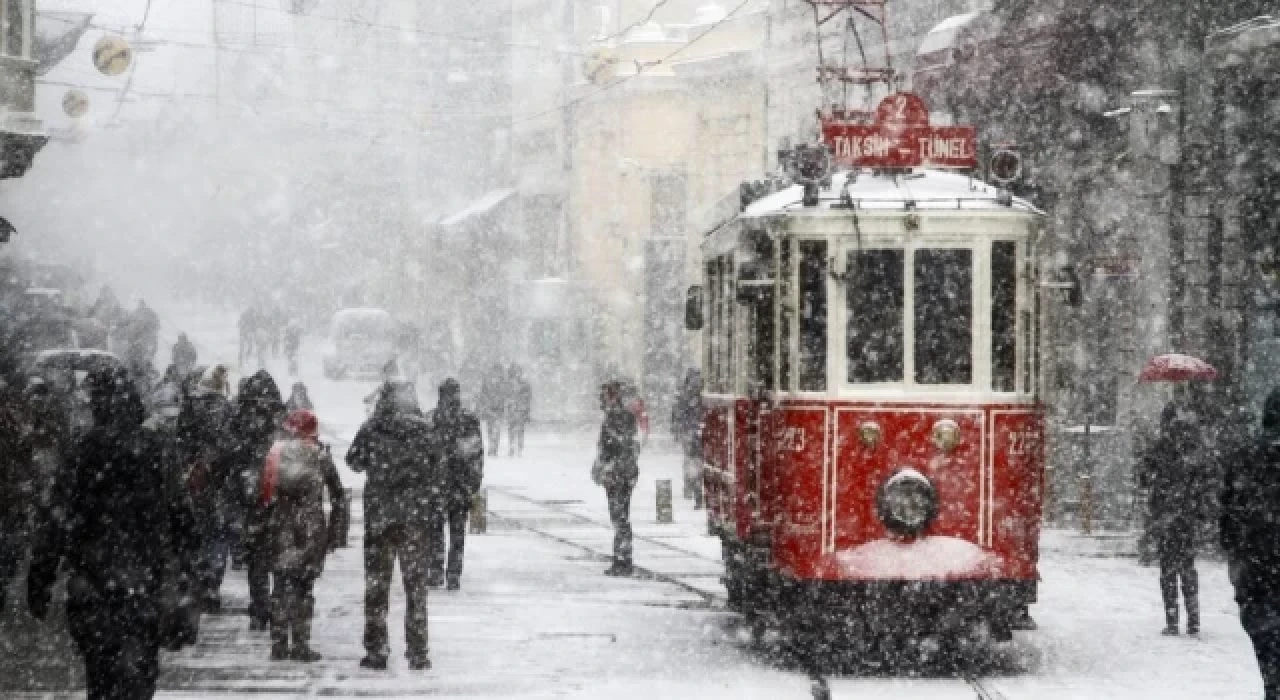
[(297, 473)]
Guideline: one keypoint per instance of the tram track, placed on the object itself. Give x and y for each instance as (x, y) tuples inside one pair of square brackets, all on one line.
[(819, 683)]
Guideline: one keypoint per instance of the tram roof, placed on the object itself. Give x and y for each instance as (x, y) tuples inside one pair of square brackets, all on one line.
[(918, 190)]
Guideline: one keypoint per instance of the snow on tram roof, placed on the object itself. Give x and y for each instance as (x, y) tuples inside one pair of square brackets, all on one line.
[(926, 189)]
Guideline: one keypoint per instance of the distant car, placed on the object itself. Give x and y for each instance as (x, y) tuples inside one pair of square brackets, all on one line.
[(362, 342), (65, 369)]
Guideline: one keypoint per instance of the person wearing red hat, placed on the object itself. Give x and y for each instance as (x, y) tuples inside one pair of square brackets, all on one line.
[(297, 473)]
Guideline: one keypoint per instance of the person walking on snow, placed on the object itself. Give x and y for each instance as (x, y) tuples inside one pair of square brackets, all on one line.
[(118, 514), (1250, 534), (491, 405), (258, 416), (460, 460), (617, 469), (394, 449), (1179, 485), (184, 356), (297, 473), (519, 409)]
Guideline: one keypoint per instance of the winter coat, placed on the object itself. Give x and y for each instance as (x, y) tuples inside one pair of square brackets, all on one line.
[(184, 355), (298, 472), (1250, 522), (258, 414), (1180, 484), (619, 450), (119, 519), (519, 401), (460, 454), (394, 448), (202, 448), (17, 485), (493, 398)]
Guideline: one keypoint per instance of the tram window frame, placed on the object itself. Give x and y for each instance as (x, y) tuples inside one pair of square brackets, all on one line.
[(860, 296), (1004, 316), (728, 301), (786, 314), (813, 313), (931, 321)]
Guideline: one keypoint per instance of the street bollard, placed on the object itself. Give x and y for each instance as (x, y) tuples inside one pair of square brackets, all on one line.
[(1086, 504), (480, 512), (665, 513)]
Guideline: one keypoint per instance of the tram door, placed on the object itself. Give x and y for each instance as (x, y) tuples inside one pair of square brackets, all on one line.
[(757, 295)]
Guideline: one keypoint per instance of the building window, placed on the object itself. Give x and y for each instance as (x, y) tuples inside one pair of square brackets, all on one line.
[(15, 26), (874, 336)]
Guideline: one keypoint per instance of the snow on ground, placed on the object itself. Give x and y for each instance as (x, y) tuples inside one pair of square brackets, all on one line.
[(537, 619)]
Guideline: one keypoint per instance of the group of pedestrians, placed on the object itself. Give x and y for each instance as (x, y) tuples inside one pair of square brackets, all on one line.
[(269, 332), (1183, 474), (505, 400)]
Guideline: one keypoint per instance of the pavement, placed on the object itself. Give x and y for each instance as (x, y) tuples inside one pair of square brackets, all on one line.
[(537, 619)]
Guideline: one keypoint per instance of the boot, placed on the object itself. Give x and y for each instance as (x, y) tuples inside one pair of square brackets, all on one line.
[(280, 651), (302, 650), (374, 663), (419, 663), (1170, 622), (1193, 617), (620, 568)]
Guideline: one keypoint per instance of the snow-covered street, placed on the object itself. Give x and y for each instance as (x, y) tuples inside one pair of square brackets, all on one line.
[(535, 617)]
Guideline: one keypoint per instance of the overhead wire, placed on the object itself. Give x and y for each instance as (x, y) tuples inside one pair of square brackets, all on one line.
[(133, 66), (640, 69)]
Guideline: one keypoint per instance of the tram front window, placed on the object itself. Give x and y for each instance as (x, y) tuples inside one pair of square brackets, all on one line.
[(943, 316), (876, 295)]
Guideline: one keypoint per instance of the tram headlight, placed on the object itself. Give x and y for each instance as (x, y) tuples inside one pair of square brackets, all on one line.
[(946, 435), (869, 433), (907, 502)]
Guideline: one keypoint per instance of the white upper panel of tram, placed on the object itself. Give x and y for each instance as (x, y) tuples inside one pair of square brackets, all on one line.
[(930, 190)]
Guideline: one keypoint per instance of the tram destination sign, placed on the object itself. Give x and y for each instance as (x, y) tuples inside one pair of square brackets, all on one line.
[(901, 137)]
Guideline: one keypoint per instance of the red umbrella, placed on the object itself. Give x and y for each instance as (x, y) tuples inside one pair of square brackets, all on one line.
[(1177, 368)]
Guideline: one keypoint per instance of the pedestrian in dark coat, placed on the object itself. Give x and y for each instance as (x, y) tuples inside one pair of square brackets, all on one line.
[(297, 474), (1250, 535), (519, 408), (184, 355), (118, 513), (299, 399), (460, 456), (617, 469), (1180, 485), (686, 424), (394, 449), (259, 412), (491, 405), (17, 485), (202, 444)]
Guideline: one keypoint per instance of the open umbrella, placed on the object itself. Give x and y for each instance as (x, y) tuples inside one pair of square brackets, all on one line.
[(1177, 368)]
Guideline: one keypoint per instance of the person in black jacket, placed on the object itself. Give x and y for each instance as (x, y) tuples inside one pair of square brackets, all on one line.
[(259, 412), (461, 461), (1250, 535), (617, 470), (17, 485), (1180, 483), (118, 513), (394, 448), (201, 444)]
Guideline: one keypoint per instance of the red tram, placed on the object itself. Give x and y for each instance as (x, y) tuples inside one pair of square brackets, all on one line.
[(873, 434)]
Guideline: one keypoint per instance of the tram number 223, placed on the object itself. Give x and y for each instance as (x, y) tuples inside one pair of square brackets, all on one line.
[(792, 439), (1024, 442)]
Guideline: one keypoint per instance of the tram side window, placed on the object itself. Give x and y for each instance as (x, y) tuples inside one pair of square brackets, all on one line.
[(712, 350), (943, 316), (812, 370), (1004, 316), (876, 297)]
